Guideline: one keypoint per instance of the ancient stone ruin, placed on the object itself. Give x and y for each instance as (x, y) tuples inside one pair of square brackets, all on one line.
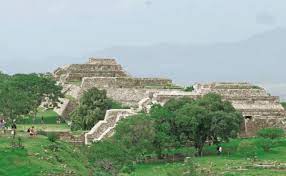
[(107, 74), (259, 109), (93, 68)]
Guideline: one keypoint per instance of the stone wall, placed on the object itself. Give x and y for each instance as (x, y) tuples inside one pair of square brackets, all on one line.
[(128, 91), (102, 61), (259, 109), (125, 82)]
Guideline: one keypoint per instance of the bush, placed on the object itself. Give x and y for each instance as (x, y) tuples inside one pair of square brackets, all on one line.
[(189, 89), (116, 105), (183, 152), (265, 143), (53, 137), (109, 156), (272, 133), (128, 169), (284, 104), (247, 149)]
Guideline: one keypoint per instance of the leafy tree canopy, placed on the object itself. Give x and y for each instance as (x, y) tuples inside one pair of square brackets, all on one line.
[(22, 94), (207, 118), (91, 109)]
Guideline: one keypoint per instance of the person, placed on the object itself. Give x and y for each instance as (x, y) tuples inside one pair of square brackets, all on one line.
[(58, 120), (2, 125), (14, 127), (32, 131), (42, 121), (219, 150)]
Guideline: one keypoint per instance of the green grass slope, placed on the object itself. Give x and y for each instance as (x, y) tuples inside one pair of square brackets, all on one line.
[(229, 164), (41, 157)]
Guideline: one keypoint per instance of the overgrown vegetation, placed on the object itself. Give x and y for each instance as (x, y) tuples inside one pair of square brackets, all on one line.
[(174, 131), (271, 133), (22, 94), (189, 89), (91, 109), (284, 105), (40, 157)]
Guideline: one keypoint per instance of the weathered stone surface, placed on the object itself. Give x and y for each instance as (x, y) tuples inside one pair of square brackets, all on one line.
[(94, 68), (128, 91), (124, 82), (258, 107)]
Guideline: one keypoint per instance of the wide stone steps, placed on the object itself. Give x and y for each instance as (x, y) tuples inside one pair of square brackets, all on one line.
[(104, 128)]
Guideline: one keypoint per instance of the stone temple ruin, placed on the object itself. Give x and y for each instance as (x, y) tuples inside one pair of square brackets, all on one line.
[(259, 109)]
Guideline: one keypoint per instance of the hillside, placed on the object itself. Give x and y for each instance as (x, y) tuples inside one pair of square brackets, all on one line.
[(41, 157)]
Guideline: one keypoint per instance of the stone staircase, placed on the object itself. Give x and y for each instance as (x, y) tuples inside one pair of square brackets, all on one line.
[(105, 128)]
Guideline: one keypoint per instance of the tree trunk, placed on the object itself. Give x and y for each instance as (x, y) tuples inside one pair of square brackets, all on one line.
[(35, 116), (200, 150)]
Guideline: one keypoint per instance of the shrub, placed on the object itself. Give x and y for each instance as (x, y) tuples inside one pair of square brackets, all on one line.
[(284, 104), (53, 147), (53, 137), (265, 143), (272, 133), (247, 149), (184, 152), (189, 89), (116, 105), (128, 169), (109, 156)]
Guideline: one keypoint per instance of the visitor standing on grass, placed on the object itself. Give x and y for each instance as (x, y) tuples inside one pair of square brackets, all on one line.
[(42, 121), (1, 124), (14, 127), (219, 150)]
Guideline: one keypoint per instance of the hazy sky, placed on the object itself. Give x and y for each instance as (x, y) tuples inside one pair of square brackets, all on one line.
[(49, 30)]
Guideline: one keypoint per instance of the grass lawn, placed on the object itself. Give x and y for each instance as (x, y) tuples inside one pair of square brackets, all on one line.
[(39, 158), (49, 116), (228, 165), (45, 127), (50, 122)]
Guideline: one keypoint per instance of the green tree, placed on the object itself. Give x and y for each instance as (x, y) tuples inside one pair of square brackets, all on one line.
[(39, 87), (92, 108), (22, 94), (13, 102), (137, 134), (184, 120), (167, 132), (208, 118)]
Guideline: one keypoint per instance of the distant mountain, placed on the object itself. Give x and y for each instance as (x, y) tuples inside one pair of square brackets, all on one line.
[(260, 58)]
